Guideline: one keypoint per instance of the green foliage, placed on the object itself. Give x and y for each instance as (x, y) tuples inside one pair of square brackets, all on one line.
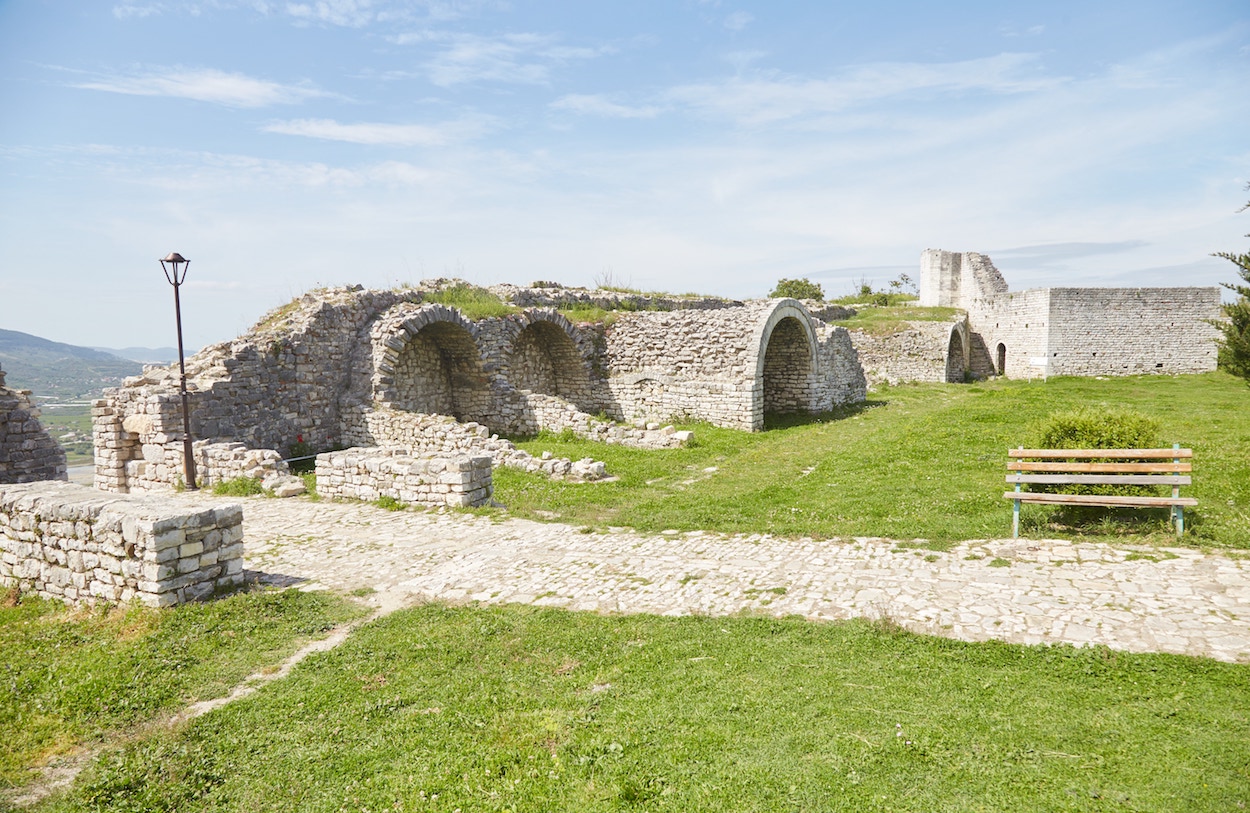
[(524, 709), (920, 460), (588, 313), (798, 289), (389, 503), (239, 487), (901, 291), (471, 300), (310, 484), (1234, 352), (70, 676), (1101, 427)]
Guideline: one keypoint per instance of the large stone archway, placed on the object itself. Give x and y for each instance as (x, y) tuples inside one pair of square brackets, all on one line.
[(786, 361), (432, 364), (546, 360), (958, 354)]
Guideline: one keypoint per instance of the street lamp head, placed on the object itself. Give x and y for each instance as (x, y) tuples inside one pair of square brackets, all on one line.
[(175, 259)]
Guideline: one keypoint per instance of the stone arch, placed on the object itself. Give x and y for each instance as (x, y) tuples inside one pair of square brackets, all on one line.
[(1000, 359), (786, 360), (545, 359), (431, 363), (958, 355)]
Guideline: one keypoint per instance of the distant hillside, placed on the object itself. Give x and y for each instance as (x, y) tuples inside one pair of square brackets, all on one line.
[(59, 371), (146, 355)]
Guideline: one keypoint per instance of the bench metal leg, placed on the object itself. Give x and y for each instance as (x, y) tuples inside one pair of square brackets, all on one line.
[(1015, 519), (1179, 515)]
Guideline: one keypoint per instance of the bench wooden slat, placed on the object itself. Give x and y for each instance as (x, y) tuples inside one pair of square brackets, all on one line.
[(1100, 468), (1111, 454), (1037, 497), (1164, 480)]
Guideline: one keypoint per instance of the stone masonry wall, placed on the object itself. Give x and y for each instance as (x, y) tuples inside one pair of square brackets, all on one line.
[(1128, 331), (918, 353), (68, 542), (456, 481), (27, 452)]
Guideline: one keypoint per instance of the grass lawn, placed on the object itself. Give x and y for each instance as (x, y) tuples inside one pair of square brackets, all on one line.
[(522, 709), (74, 676), (917, 461)]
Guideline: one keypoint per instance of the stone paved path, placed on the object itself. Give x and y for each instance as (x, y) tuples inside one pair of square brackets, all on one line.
[(1025, 591)]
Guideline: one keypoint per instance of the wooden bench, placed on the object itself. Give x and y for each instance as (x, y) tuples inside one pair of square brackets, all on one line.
[(1168, 468)]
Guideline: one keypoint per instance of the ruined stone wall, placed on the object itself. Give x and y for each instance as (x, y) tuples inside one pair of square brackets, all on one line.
[(455, 481), (71, 543), (729, 366), (921, 352), (27, 452), (1128, 331)]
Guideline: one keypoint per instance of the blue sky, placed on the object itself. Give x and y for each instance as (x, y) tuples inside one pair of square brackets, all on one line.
[(678, 145)]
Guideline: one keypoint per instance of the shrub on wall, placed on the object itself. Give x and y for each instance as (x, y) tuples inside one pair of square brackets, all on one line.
[(798, 289)]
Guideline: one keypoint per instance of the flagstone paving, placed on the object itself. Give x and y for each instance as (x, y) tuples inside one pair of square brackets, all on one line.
[(1025, 591)]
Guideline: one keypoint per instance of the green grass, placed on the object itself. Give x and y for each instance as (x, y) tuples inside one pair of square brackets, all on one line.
[(68, 677), (884, 321), (472, 301), (521, 709), (239, 487), (917, 461)]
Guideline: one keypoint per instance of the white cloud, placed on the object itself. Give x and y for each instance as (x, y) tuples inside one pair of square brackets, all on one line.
[(348, 13), (382, 134), (205, 85), (739, 20), (519, 58), (769, 98), (595, 105), (128, 10)]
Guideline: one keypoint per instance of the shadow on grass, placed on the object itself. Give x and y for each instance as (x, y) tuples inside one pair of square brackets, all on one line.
[(787, 420), (1132, 524)]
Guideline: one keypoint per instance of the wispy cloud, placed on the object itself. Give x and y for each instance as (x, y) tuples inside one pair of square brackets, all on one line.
[(739, 20), (205, 85), (1053, 253), (768, 98), (518, 58), (125, 11), (382, 134), (596, 105)]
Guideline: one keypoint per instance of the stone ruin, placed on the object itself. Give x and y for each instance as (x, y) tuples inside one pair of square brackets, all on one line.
[(1042, 331), (27, 452), (413, 380)]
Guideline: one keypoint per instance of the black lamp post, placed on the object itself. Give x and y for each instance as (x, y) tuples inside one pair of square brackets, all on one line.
[(172, 274)]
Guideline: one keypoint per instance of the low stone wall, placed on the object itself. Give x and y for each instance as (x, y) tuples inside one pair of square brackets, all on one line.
[(456, 481), (72, 543), (27, 452), (421, 434)]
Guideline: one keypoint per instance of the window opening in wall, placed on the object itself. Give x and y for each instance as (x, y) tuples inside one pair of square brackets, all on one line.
[(1000, 359)]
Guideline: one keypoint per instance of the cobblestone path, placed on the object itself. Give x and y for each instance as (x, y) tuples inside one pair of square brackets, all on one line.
[(1025, 591)]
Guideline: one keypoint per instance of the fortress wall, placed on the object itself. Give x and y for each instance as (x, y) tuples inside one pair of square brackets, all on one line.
[(27, 452), (840, 377), (1128, 331), (71, 543), (1019, 322)]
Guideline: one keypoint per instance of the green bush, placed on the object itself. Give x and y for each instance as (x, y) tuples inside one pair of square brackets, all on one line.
[(1098, 428), (798, 289)]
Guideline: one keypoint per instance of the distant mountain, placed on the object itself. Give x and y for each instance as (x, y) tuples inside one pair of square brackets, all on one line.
[(59, 371), (146, 355)]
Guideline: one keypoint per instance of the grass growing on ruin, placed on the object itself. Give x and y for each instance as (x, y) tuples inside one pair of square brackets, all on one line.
[(522, 709), (472, 301), (70, 676), (239, 487), (916, 461), (886, 320)]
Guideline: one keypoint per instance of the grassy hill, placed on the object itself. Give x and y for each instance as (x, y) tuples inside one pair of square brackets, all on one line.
[(59, 371)]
